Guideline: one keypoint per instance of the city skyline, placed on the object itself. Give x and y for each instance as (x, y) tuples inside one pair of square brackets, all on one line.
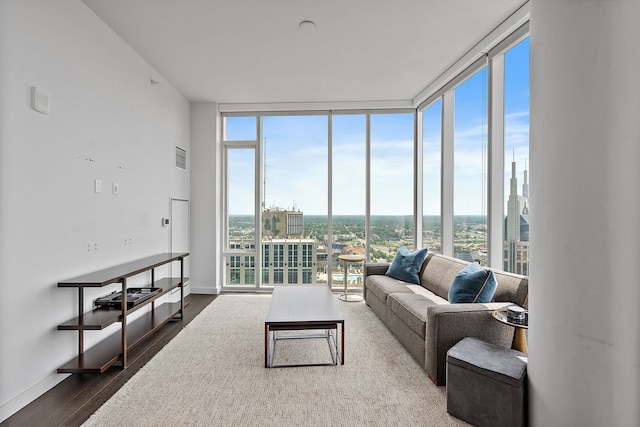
[(297, 249)]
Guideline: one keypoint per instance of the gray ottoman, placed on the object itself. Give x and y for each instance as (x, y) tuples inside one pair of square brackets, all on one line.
[(486, 384)]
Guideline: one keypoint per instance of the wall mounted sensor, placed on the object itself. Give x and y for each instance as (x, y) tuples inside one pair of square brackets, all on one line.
[(40, 101)]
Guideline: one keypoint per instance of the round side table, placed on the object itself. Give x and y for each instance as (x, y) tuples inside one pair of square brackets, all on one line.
[(519, 336), (346, 259)]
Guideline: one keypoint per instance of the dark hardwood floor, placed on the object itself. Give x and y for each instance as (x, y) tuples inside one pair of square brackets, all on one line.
[(71, 402)]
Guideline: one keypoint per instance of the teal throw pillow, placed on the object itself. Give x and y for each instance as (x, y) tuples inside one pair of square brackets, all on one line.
[(406, 265), (473, 284)]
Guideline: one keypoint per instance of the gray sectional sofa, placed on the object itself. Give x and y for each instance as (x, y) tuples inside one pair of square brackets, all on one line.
[(426, 323)]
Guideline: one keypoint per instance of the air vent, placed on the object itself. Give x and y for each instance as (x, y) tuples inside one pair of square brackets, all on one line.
[(181, 158)]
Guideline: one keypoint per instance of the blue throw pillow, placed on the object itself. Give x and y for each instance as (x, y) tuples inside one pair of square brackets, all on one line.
[(473, 284), (406, 265)]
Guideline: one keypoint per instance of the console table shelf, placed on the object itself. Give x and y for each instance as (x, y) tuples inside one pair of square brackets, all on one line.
[(114, 274), (114, 348), (106, 353), (100, 318)]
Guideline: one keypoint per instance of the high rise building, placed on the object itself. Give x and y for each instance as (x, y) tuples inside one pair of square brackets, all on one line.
[(516, 232), (283, 224), (287, 257)]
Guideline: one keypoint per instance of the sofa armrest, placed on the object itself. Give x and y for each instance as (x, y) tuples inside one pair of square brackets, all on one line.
[(371, 268), (449, 323)]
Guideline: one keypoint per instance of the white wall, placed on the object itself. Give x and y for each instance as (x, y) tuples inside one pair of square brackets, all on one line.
[(107, 122), (205, 205), (584, 335)]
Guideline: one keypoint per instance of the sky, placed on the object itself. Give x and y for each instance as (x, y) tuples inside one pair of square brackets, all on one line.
[(296, 153)]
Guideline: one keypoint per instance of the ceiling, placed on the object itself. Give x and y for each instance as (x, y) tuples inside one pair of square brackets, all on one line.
[(254, 51)]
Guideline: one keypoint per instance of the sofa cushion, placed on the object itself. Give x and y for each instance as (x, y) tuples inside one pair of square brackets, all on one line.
[(411, 309), (406, 265), (417, 289), (473, 284), (439, 271), (381, 286)]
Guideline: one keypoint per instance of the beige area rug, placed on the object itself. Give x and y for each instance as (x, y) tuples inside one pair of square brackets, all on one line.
[(212, 374)]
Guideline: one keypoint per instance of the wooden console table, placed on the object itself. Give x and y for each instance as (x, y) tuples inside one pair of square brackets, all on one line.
[(114, 348)]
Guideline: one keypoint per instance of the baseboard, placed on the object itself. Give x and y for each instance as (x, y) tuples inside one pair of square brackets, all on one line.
[(205, 291), (12, 406), (186, 289)]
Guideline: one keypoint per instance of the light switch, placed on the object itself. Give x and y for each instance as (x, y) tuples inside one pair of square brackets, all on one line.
[(115, 188), (40, 101), (97, 186)]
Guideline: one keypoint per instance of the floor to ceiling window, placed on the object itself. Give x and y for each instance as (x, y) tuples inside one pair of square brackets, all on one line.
[(348, 194), (470, 168), (516, 147), (290, 188), (431, 177), (294, 198), (475, 146), (392, 184), (240, 225)]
